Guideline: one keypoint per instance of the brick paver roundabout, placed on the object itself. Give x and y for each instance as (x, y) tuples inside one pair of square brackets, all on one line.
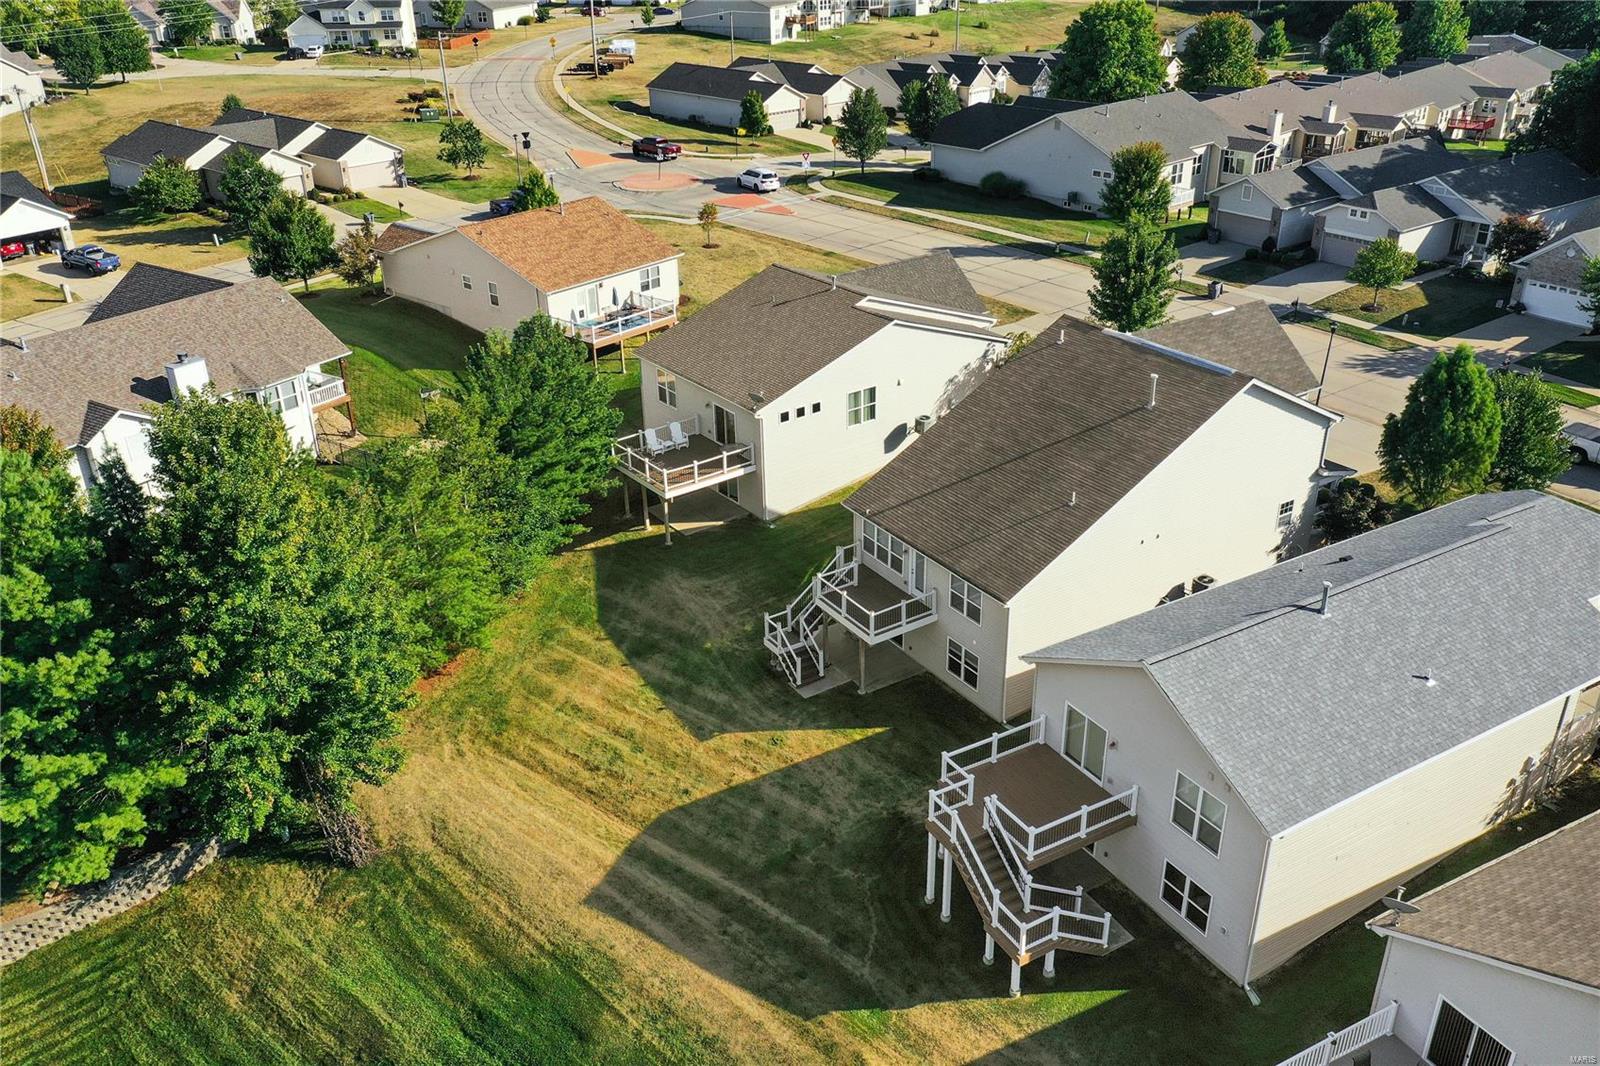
[(651, 183)]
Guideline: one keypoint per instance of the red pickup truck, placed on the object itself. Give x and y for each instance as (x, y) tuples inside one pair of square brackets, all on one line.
[(658, 148)]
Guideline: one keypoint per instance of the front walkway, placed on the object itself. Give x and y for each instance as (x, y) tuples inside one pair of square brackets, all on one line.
[(1308, 284)]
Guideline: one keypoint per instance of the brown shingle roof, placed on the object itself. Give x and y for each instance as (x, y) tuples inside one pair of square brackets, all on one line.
[(559, 247), (987, 490), (1247, 338), (397, 235), (251, 334), (1533, 908)]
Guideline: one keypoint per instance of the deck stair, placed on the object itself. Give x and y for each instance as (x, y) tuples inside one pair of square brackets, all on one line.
[(996, 851), (796, 638)]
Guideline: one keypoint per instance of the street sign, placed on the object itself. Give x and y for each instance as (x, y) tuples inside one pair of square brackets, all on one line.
[(805, 159)]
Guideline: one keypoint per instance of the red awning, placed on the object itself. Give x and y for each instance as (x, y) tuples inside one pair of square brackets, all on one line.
[(1472, 123)]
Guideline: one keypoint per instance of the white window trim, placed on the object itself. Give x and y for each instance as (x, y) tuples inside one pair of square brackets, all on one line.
[(1194, 834), (954, 649), (650, 278), (969, 601), (1247, 192), (1285, 517), (494, 295), (860, 407), (666, 387), (883, 546), (1066, 731), (1188, 884), (466, 282)]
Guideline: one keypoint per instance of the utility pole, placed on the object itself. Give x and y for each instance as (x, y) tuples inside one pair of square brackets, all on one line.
[(38, 153), (594, 40), (958, 25), (444, 73)]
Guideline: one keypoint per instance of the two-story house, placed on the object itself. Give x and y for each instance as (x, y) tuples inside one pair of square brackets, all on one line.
[(583, 263), (1263, 761), (233, 20), (1499, 966), (161, 333), (1075, 485), (1062, 152), (767, 21), (387, 24), (795, 384)]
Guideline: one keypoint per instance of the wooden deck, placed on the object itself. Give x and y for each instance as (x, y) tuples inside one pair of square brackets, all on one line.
[(874, 608), (700, 464)]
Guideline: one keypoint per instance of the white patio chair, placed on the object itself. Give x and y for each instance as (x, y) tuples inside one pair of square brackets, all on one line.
[(654, 444), (680, 439)]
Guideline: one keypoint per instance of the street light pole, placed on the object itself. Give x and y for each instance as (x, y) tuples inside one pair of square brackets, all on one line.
[(1333, 329)]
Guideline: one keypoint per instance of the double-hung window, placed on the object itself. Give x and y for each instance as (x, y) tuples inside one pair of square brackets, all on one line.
[(466, 282), (962, 663), (650, 278), (494, 295), (1085, 743), (1179, 892), (966, 599), (1199, 814), (862, 406), (1285, 515), (279, 398), (883, 546), (666, 388)]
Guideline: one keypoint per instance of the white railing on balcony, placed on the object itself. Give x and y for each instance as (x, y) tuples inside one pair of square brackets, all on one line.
[(639, 311), (1036, 840), (324, 388), (1373, 1027), (953, 764), (791, 635), (834, 587), (649, 454)]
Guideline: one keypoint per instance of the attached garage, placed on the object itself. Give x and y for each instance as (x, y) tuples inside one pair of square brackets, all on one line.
[(1340, 250), (29, 216), (1555, 302), (1548, 280), (1245, 229), (711, 96)]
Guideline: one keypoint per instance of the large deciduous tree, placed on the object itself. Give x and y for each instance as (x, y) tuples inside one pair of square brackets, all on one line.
[(356, 258), (1435, 29), (1133, 278), (1532, 452), (1568, 117), (188, 21), (124, 46), (1381, 265), (1496, 16), (1139, 187), (1112, 52), (77, 55), (290, 241), (863, 129), (1446, 437), (1220, 52), (247, 188), (1571, 25), (925, 103), (1366, 37), (461, 144), (166, 187), (753, 118)]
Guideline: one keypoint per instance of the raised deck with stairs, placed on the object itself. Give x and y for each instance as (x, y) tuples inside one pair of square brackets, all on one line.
[(1004, 808)]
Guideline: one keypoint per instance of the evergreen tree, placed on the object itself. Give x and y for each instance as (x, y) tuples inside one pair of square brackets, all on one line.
[(532, 396), (1437, 29), (753, 115), (1589, 286), (247, 189), (863, 127), (1568, 116), (647, 14), (77, 55), (1447, 436), (1220, 53), (231, 102), (534, 191), (1532, 452), (188, 21), (166, 187), (1112, 52), (290, 241), (461, 144), (1133, 278), (1139, 188), (925, 103), (1366, 37), (1274, 42), (1381, 265)]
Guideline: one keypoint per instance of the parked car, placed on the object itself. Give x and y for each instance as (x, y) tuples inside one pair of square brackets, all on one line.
[(13, 250), (1585, 442), (310, 51), (91, 257), (657, 148), (760, 179)]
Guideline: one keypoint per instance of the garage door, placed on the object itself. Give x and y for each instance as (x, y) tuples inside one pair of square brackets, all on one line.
[(371, 175), (1554, 302), (1242, 228), (1340, 250), (784, 119)]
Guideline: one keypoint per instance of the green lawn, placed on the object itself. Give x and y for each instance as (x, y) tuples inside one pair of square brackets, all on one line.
[(1355, 333), (1439, 308), (619, 838), (255, 55), (1243, 271), (496, 178), (22, 295), (1030, 217), (361, 205), (1575, 360), (1575, 397), (397, 349), (1487, 149)]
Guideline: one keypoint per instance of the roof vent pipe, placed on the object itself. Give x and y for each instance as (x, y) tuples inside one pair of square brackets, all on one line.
[(833, 282), (1062, 337), (1327, 591), (1154, 378)]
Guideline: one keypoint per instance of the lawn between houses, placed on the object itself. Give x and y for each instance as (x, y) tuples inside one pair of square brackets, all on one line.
[(1440, 307), (620, 838)]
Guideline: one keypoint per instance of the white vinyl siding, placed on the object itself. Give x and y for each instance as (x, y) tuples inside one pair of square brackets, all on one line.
[(666, 388), (279, 398)]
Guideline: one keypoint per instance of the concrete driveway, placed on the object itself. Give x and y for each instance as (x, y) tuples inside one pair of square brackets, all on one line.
[(1308, 284)]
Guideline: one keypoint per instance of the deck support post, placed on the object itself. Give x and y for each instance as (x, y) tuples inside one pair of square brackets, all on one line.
[(861, 662), (666, 517), (944, 909), (988, 949), (1016, 978), (627, 498), (1050, 963), (644, 505), (933, 861)]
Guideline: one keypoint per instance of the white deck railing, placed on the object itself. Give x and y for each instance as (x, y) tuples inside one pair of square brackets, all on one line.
[(639, 312), (834, 588), (1374, 1026), (790, 634), (953, 763), (1072, 826), (649, 454), (324, 388)]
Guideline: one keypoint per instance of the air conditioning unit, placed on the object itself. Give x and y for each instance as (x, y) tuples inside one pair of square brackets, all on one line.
[(922, 423)]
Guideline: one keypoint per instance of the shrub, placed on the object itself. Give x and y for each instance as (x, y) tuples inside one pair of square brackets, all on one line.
[(933, 31), (981, 24), (1002, 186), (928, 174), (526, 20)]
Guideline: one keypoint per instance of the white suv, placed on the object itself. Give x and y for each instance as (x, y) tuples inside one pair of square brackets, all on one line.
[(760, 179)]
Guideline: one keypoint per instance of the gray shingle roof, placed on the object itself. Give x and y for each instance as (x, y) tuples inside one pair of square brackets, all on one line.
[(1519, 185), (21, 60), (1302, 711), (981, 125), (251, 335), (718, 83), (146, 285), (333, 144), (262, 128), (14, 186), (1533, 907), (1176, 120), (1248, 338), (805, 77), (1516, 70), (153, 138), (1406, 208), (767, 335), (986, 490), (1388, 165), (1293, 186), (932, 280)]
